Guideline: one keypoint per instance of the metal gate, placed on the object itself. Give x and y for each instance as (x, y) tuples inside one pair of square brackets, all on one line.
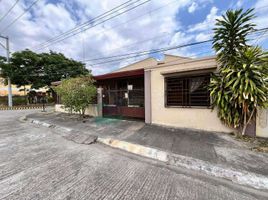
[(124, 103)]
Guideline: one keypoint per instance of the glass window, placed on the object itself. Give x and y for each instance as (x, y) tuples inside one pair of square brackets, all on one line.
[(187, 91)]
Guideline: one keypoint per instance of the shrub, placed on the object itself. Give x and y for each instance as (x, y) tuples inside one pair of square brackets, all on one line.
[(77, 93)]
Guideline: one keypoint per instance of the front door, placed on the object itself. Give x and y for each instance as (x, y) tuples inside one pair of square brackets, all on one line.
[(125, 100)]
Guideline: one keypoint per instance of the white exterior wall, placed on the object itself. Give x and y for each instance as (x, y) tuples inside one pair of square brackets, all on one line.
[(92, 110), (262, 123), (196, 118)]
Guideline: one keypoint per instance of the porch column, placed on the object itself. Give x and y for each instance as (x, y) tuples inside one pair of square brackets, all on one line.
[(99, 101), (147, 97)]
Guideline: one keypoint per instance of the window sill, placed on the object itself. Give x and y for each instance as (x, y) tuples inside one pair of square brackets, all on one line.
[(190, 107)]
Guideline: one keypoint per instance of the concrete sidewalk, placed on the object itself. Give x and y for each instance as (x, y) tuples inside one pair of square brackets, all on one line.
[(213, 153)]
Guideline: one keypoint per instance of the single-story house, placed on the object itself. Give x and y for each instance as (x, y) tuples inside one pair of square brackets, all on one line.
[(171, 92)]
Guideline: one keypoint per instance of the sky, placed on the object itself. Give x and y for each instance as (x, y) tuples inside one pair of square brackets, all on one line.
[(155, 24)]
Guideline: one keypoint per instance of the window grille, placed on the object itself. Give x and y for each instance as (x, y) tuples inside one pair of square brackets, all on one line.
[(188, 91)]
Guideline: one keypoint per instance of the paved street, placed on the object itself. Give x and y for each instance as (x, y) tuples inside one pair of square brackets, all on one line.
[(216, 148), (36, 163)]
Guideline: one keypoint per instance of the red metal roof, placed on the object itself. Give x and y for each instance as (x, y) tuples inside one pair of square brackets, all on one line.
[(120, 74)]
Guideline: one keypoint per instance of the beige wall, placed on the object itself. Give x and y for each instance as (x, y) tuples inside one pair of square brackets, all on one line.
[(91, 110), (138, 65), (15, 89), (151, 62), (262, 123), (171, 58), (197, 118)]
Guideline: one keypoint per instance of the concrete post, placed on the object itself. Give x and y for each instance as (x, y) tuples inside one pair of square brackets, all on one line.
[(10, 102), (99, 101), (147, 97), (262, 123)]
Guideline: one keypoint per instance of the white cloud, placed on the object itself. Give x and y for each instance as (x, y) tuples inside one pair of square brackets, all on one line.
[(239, 3), (49, 19), (261, 11), (180, 38), (156, 19), (193, 7), (208, 23), (202, 36)]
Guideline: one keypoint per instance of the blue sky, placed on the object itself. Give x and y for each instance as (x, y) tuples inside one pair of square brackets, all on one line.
[(156, 24)]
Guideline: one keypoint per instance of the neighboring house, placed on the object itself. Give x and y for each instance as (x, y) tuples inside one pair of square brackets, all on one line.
[(16, 91)]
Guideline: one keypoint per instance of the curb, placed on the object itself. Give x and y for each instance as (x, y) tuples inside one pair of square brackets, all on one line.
[(67, 133), (21, 108), (240, 177)]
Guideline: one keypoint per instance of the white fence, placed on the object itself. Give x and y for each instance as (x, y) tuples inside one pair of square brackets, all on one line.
[(92, 110)]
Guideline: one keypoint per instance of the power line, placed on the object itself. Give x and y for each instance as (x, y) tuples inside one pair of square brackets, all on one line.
[(164, 65), (9, 10), (87, 22), (142, 53), (15, 20), (188, 57), (69, 71), (79, 31), (172, 62), (150, 51), (181, 46), (133, 19), (54, 40), (75, 32), (136, 43), (139, 42), (260, 36), (126, 58)]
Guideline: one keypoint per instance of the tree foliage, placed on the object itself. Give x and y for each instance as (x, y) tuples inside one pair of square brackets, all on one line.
[(77, 93), (39, 70), (55, 66), (230, 35), (241, 84), (22, 68)]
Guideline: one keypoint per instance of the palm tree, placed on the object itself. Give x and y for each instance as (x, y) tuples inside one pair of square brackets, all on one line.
[(230, 35), (241, 84)]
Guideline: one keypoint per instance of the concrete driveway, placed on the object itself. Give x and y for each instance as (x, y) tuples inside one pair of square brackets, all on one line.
[(36, 163)]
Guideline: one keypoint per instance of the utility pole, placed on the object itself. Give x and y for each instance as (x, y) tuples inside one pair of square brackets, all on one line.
[(10, 104)]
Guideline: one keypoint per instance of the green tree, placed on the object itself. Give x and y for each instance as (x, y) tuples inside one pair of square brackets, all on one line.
[(241, 83), (55, 66), (39, 70), (3, 64), (230, 35), (23, 67), (2, 59), (77, 93), (19, 70)]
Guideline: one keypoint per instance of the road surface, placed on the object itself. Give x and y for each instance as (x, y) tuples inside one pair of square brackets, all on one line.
[(37, 163)]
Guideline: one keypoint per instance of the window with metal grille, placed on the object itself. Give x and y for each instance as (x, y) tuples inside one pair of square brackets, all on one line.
[(187, 91)]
